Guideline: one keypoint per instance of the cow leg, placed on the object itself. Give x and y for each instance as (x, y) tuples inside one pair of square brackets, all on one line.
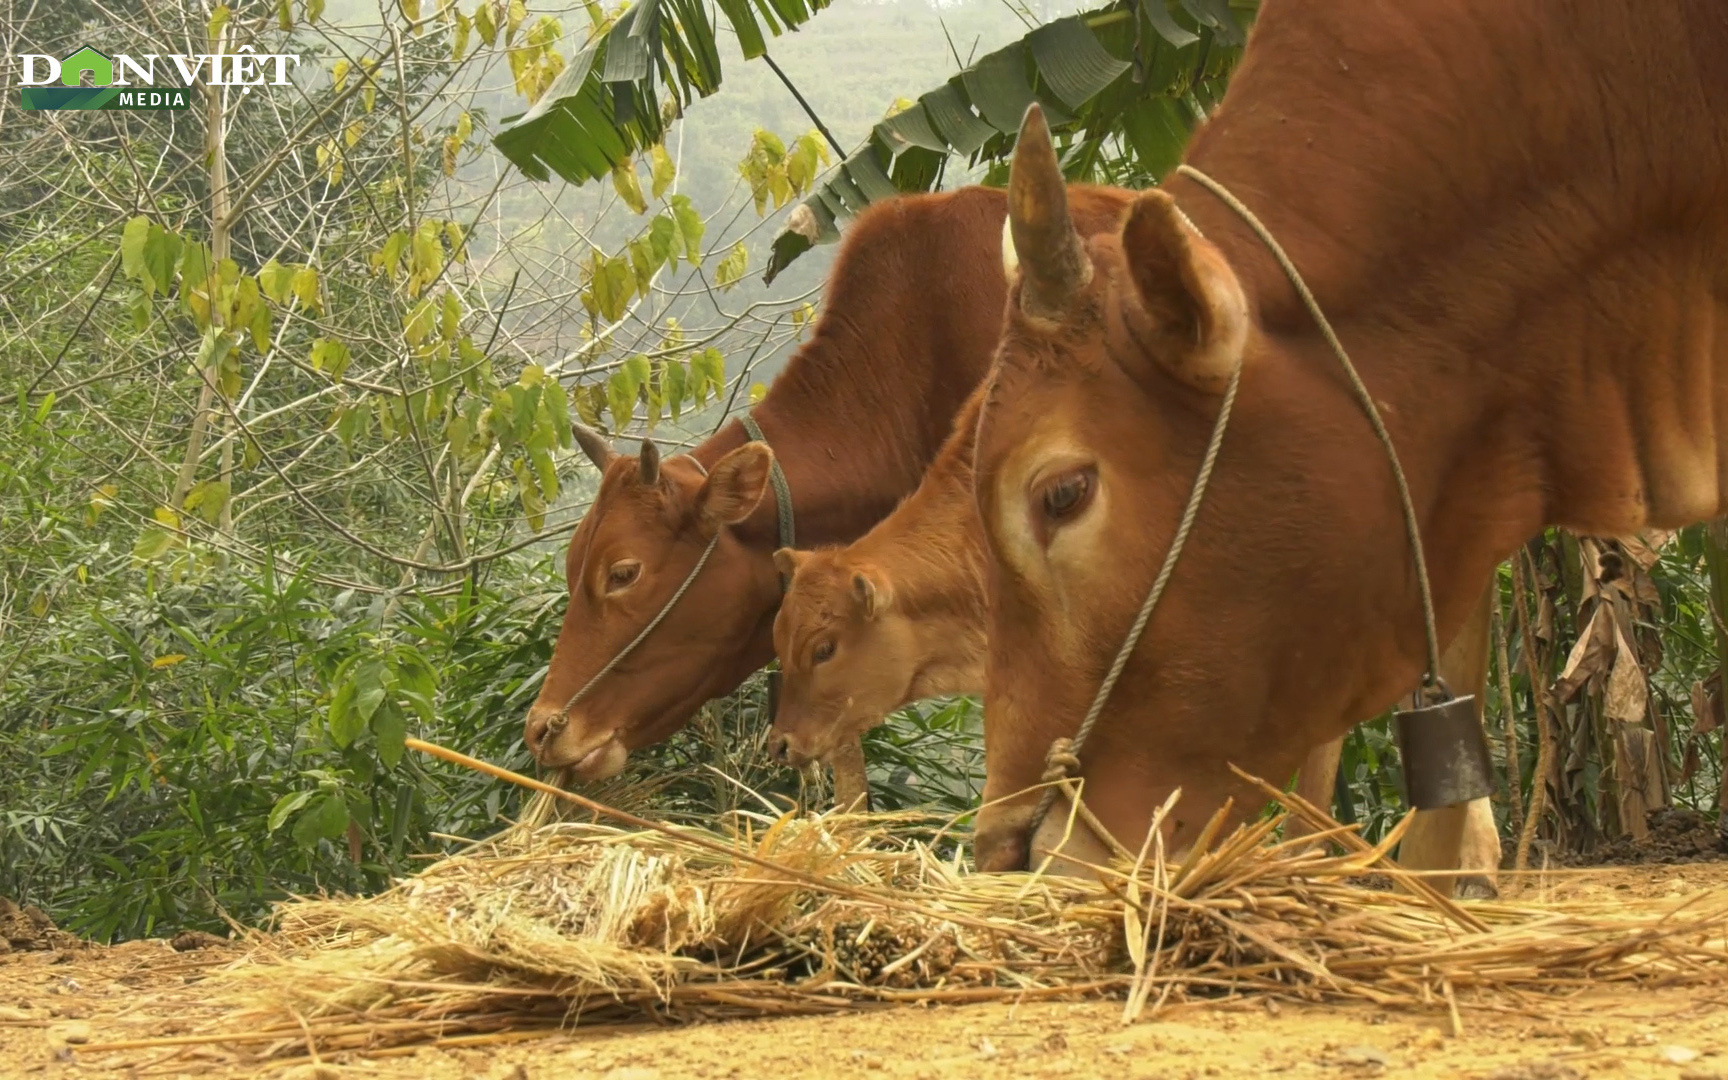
[(1314, 783), (851, 785), (1463, 837)]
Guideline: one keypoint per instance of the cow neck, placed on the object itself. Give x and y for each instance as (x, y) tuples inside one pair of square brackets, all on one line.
[(1548, 262), (845, 472)]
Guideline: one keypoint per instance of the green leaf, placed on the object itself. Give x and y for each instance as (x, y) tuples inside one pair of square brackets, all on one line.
[(708, 369), (207, 499), (326, 820), (613, 284), (370, 686), (673, 388), (621, 399), (390, 728), (545, 471), (662, 238), (690, 227), (557, 406), (344, 723), (330, 357), (153, 543), (213, 349), (284, 21), (287, 804), (132, 239), (276, 280), (260, 328), (533, 506), (449, 320)]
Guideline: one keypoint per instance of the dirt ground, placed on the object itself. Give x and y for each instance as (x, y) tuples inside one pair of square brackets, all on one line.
[(59, 1007)]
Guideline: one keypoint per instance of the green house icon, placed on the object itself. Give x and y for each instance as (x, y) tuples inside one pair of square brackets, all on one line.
[(99, 65)]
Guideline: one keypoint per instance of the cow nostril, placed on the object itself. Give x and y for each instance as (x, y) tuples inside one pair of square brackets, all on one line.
[(779, 747)]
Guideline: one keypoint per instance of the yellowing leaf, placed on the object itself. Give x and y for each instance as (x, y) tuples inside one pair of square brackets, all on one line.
[(351, 134), (276, 280), (305, 288), (459, 40), (663, 169), (167, 660), (731, 268), (757, 393), (218, 19), (339, 75), (628, 187), (314, 10), (418, 322), (486, 22)]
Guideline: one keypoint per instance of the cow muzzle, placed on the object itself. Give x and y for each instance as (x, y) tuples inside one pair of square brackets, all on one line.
[(560, 742)]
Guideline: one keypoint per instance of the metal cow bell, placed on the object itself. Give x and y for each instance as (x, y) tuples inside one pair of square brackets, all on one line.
[(1445, 754)]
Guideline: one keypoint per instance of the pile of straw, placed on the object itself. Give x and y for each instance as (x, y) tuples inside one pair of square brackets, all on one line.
[(804, 914)]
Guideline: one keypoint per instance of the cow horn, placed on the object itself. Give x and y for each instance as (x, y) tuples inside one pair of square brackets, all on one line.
[(1052, 261), (594, 445), (649, 462)]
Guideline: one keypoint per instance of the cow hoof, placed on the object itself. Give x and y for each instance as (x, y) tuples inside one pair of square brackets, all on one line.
[(1475, 887)]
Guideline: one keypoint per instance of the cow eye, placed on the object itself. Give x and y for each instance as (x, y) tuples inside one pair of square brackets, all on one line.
[(623, 574), (823, 652), (1068, 494)]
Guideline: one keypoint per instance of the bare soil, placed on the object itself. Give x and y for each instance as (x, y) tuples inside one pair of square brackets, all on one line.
[(61, 1009), (1675, 836)]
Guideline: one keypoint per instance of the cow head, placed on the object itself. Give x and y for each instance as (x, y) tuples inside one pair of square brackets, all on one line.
[(847, 657), (1110, 374), (648, 526)]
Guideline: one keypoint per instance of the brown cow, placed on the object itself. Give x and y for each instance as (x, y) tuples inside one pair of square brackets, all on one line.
[(898, 615), (1530, 299), (913, 310)]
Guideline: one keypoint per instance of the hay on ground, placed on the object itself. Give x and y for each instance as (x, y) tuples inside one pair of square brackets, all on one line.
[(590, 923)]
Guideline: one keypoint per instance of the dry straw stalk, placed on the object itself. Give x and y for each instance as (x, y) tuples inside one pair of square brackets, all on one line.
[(810, 914)]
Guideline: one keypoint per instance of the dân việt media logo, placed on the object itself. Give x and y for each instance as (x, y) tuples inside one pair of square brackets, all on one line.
[(89, 78)]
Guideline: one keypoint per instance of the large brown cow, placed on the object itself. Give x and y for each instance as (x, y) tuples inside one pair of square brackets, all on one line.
[(913, 311), (899, 615), (1516, 218)]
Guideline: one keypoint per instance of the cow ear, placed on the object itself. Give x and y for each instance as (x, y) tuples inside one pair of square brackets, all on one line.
[(788, 560), (734, 485), (1197, 311), (871, 594)]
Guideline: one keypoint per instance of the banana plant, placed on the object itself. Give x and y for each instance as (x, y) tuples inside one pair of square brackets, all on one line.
[(1124, 82)]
